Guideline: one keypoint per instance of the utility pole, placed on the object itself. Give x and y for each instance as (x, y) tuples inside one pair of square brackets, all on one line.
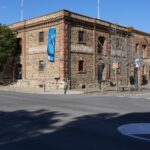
[(21, 17), (98, 9)]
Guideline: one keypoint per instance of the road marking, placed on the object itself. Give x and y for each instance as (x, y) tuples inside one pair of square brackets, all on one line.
[(136, 130)]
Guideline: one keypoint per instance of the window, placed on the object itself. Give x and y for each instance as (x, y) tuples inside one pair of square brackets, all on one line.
[(100, 45), (136, 48), (81, 36), (19, 45), (144, 70), (41, 65), (118, 43), (144, 51), (80, 66), (41, 36)]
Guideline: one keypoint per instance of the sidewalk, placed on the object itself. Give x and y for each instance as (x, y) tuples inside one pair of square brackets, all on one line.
[(69, 92), (39, 90), (120, 94)]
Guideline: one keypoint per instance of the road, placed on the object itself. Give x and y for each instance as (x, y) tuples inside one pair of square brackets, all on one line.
[(72, 122)]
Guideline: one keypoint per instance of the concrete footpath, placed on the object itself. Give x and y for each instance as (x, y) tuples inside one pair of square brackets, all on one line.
[(71, 92), (39, 90)]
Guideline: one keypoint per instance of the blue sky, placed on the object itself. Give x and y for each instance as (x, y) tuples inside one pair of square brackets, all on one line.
[(134, 13)]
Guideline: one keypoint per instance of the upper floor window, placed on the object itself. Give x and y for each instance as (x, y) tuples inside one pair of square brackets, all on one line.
[(81, 36), (41, 36), (144, 53), (136, 48), (41, 65), (100, 45)]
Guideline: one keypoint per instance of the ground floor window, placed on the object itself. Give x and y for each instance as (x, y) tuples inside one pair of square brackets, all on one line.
[(41, 65), (81, 66)]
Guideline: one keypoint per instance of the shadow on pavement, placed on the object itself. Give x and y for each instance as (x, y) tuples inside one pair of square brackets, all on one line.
[(21, 125), (20, 131)]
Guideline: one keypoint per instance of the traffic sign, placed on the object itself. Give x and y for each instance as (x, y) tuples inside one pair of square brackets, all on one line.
[(115, 65), (137, 62)]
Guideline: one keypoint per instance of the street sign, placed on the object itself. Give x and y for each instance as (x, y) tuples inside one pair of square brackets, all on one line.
[(137, 62), (115, 65)]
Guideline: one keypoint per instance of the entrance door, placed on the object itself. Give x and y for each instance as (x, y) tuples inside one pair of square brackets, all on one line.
[(101, 67), (19, 72)]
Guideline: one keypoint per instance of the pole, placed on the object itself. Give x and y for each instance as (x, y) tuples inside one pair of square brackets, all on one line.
[(139, 81), (136, 77), (44, 76), (21, 10), (98, 9), (148, 75), (116, 80), (13, 75)]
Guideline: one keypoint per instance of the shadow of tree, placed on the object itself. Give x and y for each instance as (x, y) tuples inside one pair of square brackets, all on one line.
[(21, 125), (91, 132)]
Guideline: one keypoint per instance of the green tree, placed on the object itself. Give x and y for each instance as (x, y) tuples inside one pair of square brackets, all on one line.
[(8, 45)]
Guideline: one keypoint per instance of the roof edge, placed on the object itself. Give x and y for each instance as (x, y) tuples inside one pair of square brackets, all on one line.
[(65, 10)]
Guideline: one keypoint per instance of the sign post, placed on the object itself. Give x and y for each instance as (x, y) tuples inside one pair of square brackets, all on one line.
[(137, 65), (115, 67)]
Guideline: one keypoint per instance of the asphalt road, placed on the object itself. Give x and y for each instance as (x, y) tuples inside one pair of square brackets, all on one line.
[(72, 122)]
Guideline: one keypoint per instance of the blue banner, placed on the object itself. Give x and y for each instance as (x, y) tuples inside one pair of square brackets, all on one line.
[(51, 44)]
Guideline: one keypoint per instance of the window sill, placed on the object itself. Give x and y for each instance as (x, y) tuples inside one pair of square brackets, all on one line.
[(82, 43), (81, 72), (99, 53), (41, 43)]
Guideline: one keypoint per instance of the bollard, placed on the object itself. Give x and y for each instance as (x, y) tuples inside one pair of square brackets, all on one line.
[(44, 86), (102, 87)]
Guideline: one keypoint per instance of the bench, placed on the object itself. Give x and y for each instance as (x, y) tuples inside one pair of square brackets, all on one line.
[(123, 87), (145, 87)]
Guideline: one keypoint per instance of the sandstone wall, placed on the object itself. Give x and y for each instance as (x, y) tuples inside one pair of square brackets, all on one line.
[(34, 51), (81, 51)]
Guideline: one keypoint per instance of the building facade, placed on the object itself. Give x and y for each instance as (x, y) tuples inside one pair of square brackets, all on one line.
[(87, 50)]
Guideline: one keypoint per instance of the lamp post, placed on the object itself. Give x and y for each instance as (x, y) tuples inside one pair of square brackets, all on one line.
[(98, 9), (45, 76), (21, 17)]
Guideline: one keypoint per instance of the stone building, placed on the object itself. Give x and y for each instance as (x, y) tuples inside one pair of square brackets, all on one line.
[(86, 50)]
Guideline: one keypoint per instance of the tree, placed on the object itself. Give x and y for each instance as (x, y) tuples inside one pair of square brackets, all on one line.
[(8, 45)]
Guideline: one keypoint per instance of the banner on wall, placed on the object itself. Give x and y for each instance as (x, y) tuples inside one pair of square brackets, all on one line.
[(51, 44)]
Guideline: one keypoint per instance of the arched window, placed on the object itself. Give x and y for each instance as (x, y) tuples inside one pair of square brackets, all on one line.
[(101, 41), (144, 51)]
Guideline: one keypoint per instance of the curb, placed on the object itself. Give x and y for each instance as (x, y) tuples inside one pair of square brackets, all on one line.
[(54, 92)]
